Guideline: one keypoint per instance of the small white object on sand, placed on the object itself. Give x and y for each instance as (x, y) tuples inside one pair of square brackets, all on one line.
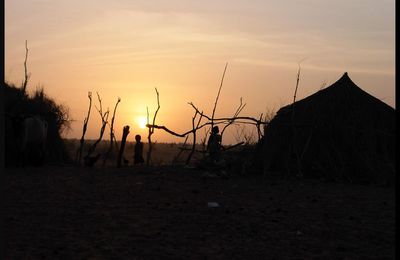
[(213, 204)]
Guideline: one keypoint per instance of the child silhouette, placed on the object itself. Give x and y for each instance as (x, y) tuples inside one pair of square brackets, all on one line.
[(138, 157)]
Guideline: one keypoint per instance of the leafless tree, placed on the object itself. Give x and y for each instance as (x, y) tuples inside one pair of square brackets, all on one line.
[(208, 121), (104, 121)]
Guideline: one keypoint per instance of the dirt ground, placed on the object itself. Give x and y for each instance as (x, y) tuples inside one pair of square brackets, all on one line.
[(163, 213)]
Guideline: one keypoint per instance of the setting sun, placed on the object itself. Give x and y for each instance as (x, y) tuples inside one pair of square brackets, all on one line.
[(141, 121)]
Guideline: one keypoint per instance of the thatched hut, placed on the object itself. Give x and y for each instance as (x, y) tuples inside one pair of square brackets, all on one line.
[(19, 104), (340, 132)]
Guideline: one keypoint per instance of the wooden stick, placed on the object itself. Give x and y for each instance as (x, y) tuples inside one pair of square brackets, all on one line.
[(298, 160), (112, 137), (297, 84), (125, 133), (228, 118), (216, 100), (194, 136), (151, 129), (82, 141), (181, 150), (104, 120), (26, 69), (253, 121)]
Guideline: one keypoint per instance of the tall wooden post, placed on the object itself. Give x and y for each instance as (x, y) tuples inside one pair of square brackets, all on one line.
[(123, 141)]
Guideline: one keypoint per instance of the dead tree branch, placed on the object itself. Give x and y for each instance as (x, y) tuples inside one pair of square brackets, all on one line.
[(259, 132), (216, 100), (221, 120), (183, 148), (297, 84), (204, 141), (245, 120), (112, 136), (104, 120), (294, 149), (194, 136), (27, 76), (235, 115), (151, 129), (198, 111), (125, 133), (174, 133), (82, 141)]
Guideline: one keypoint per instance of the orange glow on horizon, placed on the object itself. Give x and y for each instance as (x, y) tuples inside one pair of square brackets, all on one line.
[(120, 49)]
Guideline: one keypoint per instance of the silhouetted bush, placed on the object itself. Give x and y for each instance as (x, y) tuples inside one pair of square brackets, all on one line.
[(20, 104)]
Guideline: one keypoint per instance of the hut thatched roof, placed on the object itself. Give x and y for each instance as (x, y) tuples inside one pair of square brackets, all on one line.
[(340, 130)]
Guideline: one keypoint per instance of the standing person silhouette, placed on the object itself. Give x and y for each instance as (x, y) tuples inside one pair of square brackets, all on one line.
[(214, 144), (138, 157)]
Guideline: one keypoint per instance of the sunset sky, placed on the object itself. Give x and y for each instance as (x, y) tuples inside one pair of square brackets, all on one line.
[(126, 48)]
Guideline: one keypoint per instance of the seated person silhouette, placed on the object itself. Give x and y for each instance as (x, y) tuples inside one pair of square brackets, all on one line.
[(138, 157)]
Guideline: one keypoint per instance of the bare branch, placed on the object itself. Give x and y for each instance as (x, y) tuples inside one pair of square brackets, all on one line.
[(158, 108), (259, 132), (203, 142), (220, 120), (25, 83), (252, 120), (181, 150), (85, 123), (297, 84), (174, 133), (100, 110), (151, 129), (235, 115), (104, 120), (198, 111), (298, 160), (125, 133), (112, 136), (194, 127), (216, 100)]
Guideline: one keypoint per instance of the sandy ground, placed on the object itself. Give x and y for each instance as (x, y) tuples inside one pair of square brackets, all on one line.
[(162, 213)]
